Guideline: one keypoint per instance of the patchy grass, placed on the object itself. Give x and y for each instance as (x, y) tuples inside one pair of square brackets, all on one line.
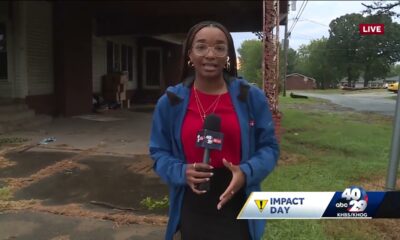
[(392, 97), (337, 149), (341, 91), (283, 101), (11, 140), (294, 229), (152, 204), (5, 194), (328, 91)]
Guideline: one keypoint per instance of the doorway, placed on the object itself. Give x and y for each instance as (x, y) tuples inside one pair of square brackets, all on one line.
[(152, 68)]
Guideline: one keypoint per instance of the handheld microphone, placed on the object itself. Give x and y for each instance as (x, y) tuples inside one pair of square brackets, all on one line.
[(209, 138)]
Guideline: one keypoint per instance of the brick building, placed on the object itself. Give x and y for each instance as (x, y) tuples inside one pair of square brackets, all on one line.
[(297, 81)]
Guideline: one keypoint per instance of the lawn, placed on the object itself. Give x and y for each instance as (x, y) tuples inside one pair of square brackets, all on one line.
[(392, 97), (329, 151), (339, 91)]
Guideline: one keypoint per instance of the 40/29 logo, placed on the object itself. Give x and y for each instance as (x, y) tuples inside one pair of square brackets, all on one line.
[(354, 200)]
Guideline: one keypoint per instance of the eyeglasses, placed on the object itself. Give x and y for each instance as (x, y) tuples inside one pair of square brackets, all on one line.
[(202, 49)]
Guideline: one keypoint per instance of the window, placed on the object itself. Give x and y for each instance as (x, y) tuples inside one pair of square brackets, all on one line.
[(119, 58), (3, 52)]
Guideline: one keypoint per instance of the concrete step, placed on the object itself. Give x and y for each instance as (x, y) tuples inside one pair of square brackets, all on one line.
[(12, 107), (16, 116), (37, 121), (24, 124)]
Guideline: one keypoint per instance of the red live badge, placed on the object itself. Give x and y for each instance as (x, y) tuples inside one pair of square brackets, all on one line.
[(372, 29)]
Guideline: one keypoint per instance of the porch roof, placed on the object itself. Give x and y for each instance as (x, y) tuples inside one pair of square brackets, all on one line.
[(163, 17)]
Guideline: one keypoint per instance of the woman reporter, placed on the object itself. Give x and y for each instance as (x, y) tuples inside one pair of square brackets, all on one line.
[(249, 152)]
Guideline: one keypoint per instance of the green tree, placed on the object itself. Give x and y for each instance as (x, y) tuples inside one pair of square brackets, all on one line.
[(251, 54), (291, 61), (394, 70), (378, 52), (343, 45), (381, 7), (312, 62), (368, 55)]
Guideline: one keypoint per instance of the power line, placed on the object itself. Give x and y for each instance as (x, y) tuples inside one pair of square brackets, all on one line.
[(295, 19), (316, 22), (302, 10), (298, 16), (305, 35), (312, 21)]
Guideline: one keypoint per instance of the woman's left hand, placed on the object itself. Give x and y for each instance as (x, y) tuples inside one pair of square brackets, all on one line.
[(237, 182)]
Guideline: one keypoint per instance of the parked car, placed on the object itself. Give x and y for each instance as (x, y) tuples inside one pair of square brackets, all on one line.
[(393, 87)]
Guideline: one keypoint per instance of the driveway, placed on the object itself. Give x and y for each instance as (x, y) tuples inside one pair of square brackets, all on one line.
[(378, 102)]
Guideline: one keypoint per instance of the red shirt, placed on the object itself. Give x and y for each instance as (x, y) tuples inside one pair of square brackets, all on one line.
[(231, 148)]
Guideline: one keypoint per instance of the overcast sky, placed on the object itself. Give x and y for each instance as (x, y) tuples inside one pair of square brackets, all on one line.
[(313, 22)]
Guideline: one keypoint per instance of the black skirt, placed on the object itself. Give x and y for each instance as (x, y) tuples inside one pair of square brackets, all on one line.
[(200, 218)]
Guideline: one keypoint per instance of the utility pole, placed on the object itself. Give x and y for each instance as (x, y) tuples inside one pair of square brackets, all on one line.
[(285, 49), (395, 150)]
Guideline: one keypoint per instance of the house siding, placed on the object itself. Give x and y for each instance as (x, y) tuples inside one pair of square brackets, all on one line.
[(19, 64)]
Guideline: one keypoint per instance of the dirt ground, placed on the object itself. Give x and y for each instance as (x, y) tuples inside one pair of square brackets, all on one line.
[(100, 171), (95, 169)]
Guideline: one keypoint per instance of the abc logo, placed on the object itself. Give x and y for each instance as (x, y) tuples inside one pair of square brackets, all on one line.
[(342, 205), (355, 200)]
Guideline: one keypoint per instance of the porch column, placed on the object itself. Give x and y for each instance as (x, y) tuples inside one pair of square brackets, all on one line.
[(73, 57), (270, 61)]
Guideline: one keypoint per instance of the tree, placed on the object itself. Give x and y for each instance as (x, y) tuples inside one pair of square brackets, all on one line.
[(394, 70), (377, 53), (379, 7), (251, 54), (291, 61), (312, 61), (343, 45)]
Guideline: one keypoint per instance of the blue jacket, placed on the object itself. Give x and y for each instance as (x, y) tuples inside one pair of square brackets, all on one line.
[(259, 153)]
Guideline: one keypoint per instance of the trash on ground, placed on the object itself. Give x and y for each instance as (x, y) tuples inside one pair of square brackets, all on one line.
[(48, 140), (292, 95)]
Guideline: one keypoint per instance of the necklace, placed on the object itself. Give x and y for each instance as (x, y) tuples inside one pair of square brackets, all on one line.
[(203, 113)]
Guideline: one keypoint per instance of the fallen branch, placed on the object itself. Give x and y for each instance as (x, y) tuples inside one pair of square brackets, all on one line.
[(109, 205)]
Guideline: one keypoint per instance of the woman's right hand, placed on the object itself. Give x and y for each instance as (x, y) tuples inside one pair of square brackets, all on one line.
[(197, 173)]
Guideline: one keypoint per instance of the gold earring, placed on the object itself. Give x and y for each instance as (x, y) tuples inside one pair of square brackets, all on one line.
[(189, 63), (228, 64)]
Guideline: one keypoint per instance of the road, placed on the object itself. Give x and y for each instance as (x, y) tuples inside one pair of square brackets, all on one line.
[(378, 102)]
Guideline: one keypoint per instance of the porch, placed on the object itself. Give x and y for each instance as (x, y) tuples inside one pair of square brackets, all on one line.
[(55, 54)]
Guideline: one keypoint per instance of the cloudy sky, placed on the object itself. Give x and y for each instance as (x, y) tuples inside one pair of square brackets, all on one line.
[(313, 22)]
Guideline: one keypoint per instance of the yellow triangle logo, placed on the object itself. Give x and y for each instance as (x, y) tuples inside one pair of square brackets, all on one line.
[(261, 204)]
